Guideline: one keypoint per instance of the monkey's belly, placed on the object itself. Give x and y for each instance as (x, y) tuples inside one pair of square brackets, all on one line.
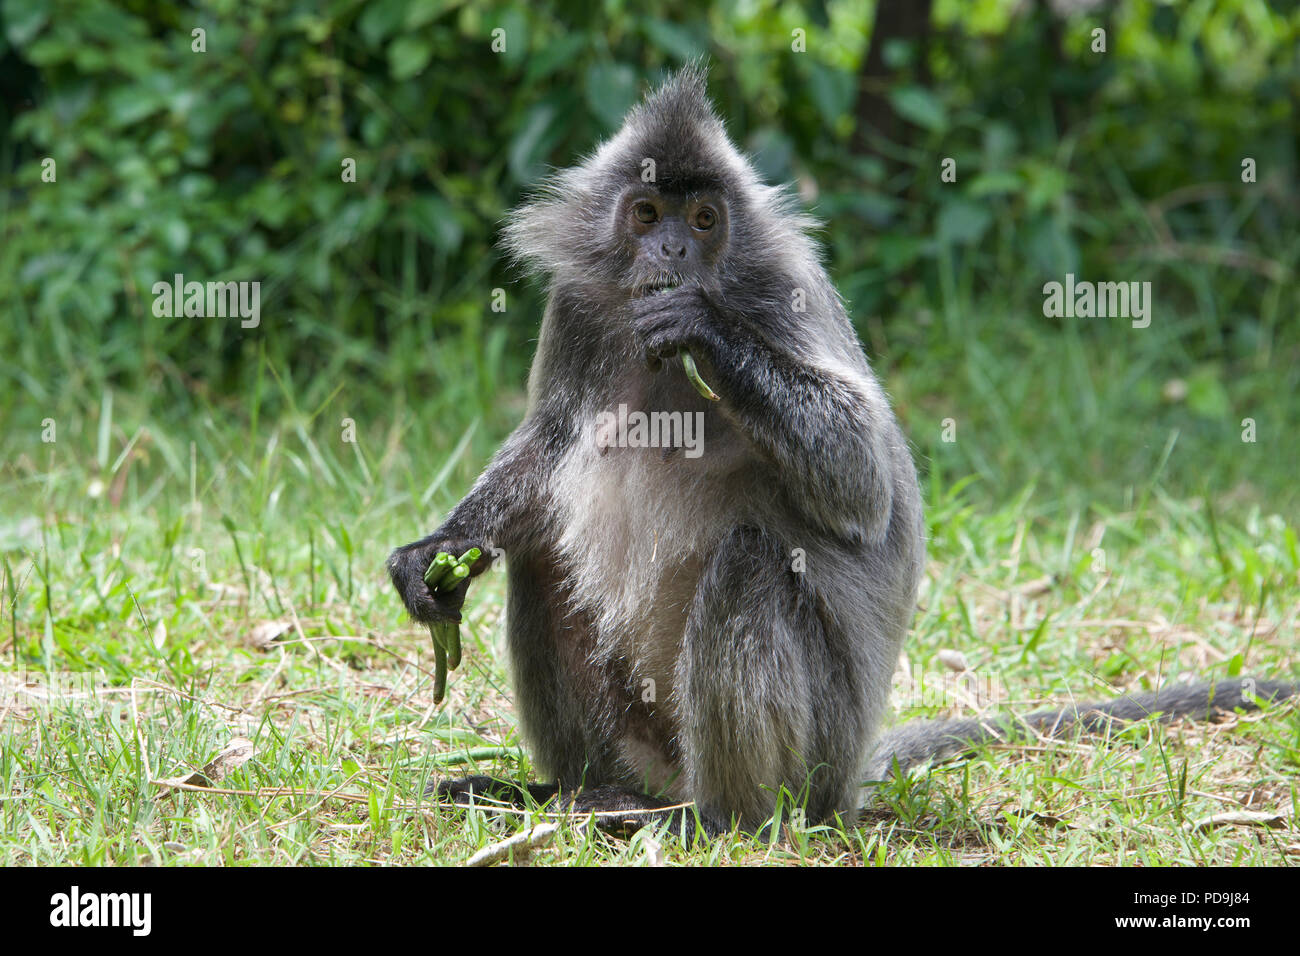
[(634, 531)]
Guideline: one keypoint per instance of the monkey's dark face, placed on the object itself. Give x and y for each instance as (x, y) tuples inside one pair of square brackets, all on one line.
[(672, 238)]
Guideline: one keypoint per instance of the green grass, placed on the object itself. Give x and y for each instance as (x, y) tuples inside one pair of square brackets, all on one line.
[(145, 546)]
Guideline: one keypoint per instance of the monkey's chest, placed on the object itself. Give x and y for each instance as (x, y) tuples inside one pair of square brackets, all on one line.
[(639, 505)]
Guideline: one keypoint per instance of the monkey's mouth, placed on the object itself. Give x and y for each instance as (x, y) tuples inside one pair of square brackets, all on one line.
[(657, 286)]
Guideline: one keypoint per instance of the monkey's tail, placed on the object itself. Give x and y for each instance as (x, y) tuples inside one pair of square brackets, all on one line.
[(937, 740)]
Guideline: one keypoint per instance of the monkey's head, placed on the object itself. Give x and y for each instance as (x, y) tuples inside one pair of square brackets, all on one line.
[(667, 201)]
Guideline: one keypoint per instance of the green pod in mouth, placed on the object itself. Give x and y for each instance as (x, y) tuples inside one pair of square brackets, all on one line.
[(692, 373)]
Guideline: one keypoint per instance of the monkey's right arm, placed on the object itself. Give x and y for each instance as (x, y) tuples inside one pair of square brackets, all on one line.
[(829, 431), (500, 511)]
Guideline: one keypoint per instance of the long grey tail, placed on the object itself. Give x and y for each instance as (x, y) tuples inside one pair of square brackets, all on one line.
[(923, 740)]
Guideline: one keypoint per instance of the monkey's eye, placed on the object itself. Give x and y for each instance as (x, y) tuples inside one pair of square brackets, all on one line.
[(705, 218), (645, 212)]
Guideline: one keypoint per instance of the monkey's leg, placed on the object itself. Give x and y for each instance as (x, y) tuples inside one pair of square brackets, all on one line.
[(567, 704), (765, 701), (562, 698)]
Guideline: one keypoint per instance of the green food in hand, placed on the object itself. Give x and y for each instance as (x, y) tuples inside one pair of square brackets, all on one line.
[(438, 567), (453, 577), (451, 642), (439, 661), (446, 571), (444, 574)]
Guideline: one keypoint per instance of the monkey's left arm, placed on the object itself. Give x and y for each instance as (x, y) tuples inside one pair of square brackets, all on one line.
[(501, 510), (828, 430)]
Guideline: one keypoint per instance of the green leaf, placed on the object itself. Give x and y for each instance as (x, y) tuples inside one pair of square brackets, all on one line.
[(1236, 664), (176, 234), (1206, 395), (130, 104), (918, 105), (894, 253), (678, 42), (1051, 248), (553, 56), (408, 56), (772, 152), (612, 89), (832, 92), (23, 19), (532, 142), (1045, 184), (436, 220), (962, 221), (899, 53), (516, 27), (993, 184), (380, 20), (1032, 644)]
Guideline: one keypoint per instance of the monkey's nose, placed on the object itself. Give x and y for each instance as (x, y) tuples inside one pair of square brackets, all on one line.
[(669, 252)]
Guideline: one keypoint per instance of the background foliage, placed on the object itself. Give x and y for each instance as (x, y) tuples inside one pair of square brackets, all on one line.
[(226, 165)]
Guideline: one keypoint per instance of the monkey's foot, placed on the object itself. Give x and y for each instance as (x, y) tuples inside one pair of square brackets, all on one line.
[(615, 810)]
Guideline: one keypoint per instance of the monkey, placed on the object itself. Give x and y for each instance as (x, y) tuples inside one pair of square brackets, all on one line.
[(696, 630)]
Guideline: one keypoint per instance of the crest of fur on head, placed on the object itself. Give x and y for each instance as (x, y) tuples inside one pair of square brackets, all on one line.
[(566, 230)]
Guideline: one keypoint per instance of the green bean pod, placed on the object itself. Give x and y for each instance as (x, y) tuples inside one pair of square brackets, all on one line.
[(692, 373), (452, 636), (458, 573), (439, 667), (442, 563)]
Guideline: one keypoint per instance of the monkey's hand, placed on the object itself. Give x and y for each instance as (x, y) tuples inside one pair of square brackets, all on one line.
[(667, 322), (406, 566)]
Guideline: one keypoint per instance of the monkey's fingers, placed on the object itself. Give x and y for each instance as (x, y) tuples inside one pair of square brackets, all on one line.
[(692, 373)]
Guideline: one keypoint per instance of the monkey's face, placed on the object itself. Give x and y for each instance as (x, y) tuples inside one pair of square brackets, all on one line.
[(671, 238)]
